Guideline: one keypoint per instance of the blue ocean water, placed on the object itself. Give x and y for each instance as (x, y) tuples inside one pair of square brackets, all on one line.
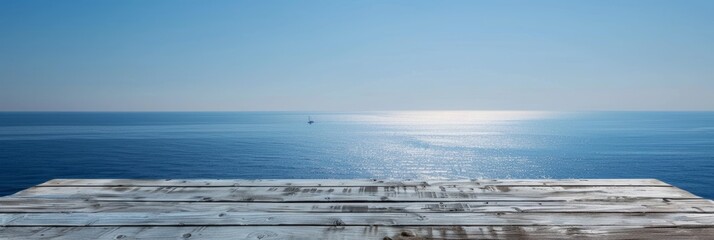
[(676, 147)]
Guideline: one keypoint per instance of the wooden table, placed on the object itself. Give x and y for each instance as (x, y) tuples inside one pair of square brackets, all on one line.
[(355, 209)]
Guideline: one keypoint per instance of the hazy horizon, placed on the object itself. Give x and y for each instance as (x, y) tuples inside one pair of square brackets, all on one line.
[(119, 56)]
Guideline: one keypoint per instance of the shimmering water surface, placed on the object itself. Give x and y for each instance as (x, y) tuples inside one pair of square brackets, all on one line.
[(676, 147)]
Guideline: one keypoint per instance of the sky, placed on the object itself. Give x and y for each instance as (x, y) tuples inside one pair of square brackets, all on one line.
[(134, 55)]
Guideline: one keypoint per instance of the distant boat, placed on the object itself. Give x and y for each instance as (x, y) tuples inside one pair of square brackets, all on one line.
[(309, 121)]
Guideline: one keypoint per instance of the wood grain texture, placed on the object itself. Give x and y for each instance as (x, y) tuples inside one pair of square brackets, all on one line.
[(347, 182), (358, 232), (355, 209), (42, 205), (353, 194), (356, 219)]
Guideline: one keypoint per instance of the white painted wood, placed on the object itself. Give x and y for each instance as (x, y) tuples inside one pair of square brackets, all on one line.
[(372, 193), (42, 205), (355, 209), (357, 232), (348, 182), (356, 219)]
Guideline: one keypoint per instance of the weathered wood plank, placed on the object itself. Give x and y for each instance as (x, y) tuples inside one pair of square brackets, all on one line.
[(357, 219), (42, 205), (355, 209), (337, 194), (357, 232), (347, 182)]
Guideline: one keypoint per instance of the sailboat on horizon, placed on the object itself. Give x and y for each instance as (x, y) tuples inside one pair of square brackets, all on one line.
[(309, 120)]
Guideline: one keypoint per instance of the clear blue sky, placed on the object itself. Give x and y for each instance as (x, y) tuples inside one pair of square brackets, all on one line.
[(356, 55)]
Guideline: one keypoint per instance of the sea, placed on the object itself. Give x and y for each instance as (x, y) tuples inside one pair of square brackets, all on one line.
[(675, 147)]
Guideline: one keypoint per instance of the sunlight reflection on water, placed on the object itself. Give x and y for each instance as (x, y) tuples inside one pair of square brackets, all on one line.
[(438, 144)]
